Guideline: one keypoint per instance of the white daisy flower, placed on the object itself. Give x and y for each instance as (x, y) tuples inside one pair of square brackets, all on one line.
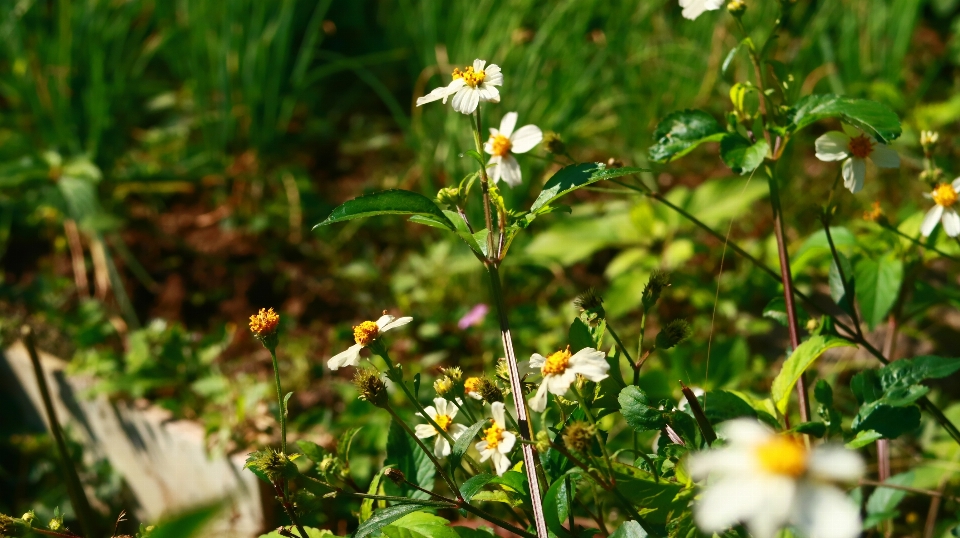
[(694, 8), (854, 148), (497, 441), (945, 197), (364, 334), (504, 142), (769, 481), (442, 412), (471, 388), (469, 87), (560, 370)]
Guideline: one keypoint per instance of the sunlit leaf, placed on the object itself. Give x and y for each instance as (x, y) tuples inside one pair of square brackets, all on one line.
[(798, 362), (391, 202), (681, 132), (875, 119), (576, 176)]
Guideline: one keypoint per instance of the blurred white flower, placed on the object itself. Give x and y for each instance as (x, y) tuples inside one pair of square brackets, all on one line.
[(694, 8), (363, 335), (945, 197), (469, 87), (504, 142), (560, 371), (497, 441), (769, 481), (442, 412), (856, 147)]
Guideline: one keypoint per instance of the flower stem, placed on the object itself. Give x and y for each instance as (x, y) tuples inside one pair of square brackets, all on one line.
[(622, 347), (596, 431), (530, 459), (639, 363), (436, 463), (484, 185), (285, 502), (283, 410), (825, 220), (787, 279)]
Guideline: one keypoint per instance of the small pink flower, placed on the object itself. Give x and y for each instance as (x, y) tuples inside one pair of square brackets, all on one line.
[(474, 316)]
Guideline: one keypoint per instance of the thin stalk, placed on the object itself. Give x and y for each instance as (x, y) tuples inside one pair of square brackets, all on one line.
[(285, 502), (396, 376), (921, 491), (568, 485), (596, 429), (825, 220), (622, 347), (530, 459), (639, 363), (787, 279), (283, 410), (78, 497), (443, 474), (484, 185), (495, 520), (53, 533), (889, 227)]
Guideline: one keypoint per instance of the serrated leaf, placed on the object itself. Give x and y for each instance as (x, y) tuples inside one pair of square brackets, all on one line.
[(658, 498), (740, 155), (499, 496), (863, 439), (682, 131), (816, 429), (720, 405), (887, 420), (630, 529), (420, 525), (576, 176), (878, 286), (866, 386), (885, 500), (384, 517), (906, 372), (875, 119), (311, 450), (474, 484), (798, 362), (391, 202)]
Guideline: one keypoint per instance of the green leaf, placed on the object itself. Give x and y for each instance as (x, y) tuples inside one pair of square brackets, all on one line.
[(682, 131), (480, 532), (474, 484), (311, 533), (838, 292), (906, 372), (878, 286), (630, 529), (823, 392), (499, 496), (556, 507), (580, 336), (286, 399), (641, 488), (863, 439), (376, 488), (311, 450), (573, 177), (886, 500), (866, 386), (460, 227), (405, 454), (639, 412), (186, 524), (816, 429), (462, 444), (887, 420), (740, 155), (720, 405), (875, 119), (384, 517), (798, 362), (776, 310), (344, 443), (420, 525), (391, 202)]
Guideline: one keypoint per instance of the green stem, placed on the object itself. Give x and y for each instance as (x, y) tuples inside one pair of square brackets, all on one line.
[(495, 520), (484, 185), (283, 410), (596, 430), (622, 347), (889, 227), (848, 296), (636, 366)]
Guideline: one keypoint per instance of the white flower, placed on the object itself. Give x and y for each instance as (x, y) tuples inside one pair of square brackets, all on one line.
[(560, 370), (443, 414), (471, 388), (855, 147), (694, 8), (504, 142), (469, 87), (768, 481), (945, 197), (363, 335), (497, 441)]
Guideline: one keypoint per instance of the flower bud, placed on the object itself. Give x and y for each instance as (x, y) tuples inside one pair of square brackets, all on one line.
[(55, 524), (371, 388), (578, 435), (449, 196), (29, 517), (502, 370), (14, 527), (263, 325), (272, 463), (455, 373), (395, 474), (489, 391), (443, 385), (737, 8), (675, 332), (554, 144), (590, 305), (928, 140), (328, 465), (653, 289)]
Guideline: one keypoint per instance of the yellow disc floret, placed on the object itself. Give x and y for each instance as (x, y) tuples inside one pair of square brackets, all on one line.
[(861, 146), (944, 195), (501, 145), (470, 77), (556, 363), (471, 384), (783, 455), (493, 435), (366, 332), (264, 322), (443, 421)]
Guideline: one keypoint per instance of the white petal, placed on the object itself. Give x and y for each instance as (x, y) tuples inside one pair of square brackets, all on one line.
[(441, 405), (453, 87), (501, 463), (383, 320), (834, 462), (526, 138), (720, 462), (431, 411), (779, 494), (590, 363), (951, 222), (508, 123), (832, 146), (727, 502), (459, 102), (693, 8), (496, 410), (825, 512), (485, 452), (539, 401), (854, 170), (507, 442), (510, 170), (424, 431), (884, 157), (488, 145), (493, 75), (478, 64), (441, 448), (350, 357), (438, 93), (956, 184), (745, 431), (559, 384), (399, 322), (456, 430), (931, 220), (488, 92), (537, 360)]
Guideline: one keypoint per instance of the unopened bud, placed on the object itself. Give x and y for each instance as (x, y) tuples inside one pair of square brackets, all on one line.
[(928, 140), (455, 373), (55, 524), (449, 196), (674, 333), (489, 391), (812, 324), (502, 370), (737, 8), (443, 385), (554, 144), (272, 463), (590, 303), (371, 388), (29, 517), (578, 435), (328, 465), (653, 289), (395, 474)]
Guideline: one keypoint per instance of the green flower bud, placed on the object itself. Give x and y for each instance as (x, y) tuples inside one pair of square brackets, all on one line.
[(543, 441), (272, 463), (674, 333), (443, 385), (489, 391), (554, 144), (651, 292), (449, 196), (371, 388), (578, 435), (737, 8), (590, 305), (455, 373)]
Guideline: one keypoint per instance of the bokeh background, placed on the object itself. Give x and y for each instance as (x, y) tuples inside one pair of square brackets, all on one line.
[(162, 164)]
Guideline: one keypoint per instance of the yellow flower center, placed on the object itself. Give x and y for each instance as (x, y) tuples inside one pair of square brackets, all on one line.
[(861, 146), (493, 435), (944, 195), (443, 421), (501, 145), (783, 455), (471, 384), (366, 332), (874, 214), (556, 363), (264, 322), (470, 77)]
